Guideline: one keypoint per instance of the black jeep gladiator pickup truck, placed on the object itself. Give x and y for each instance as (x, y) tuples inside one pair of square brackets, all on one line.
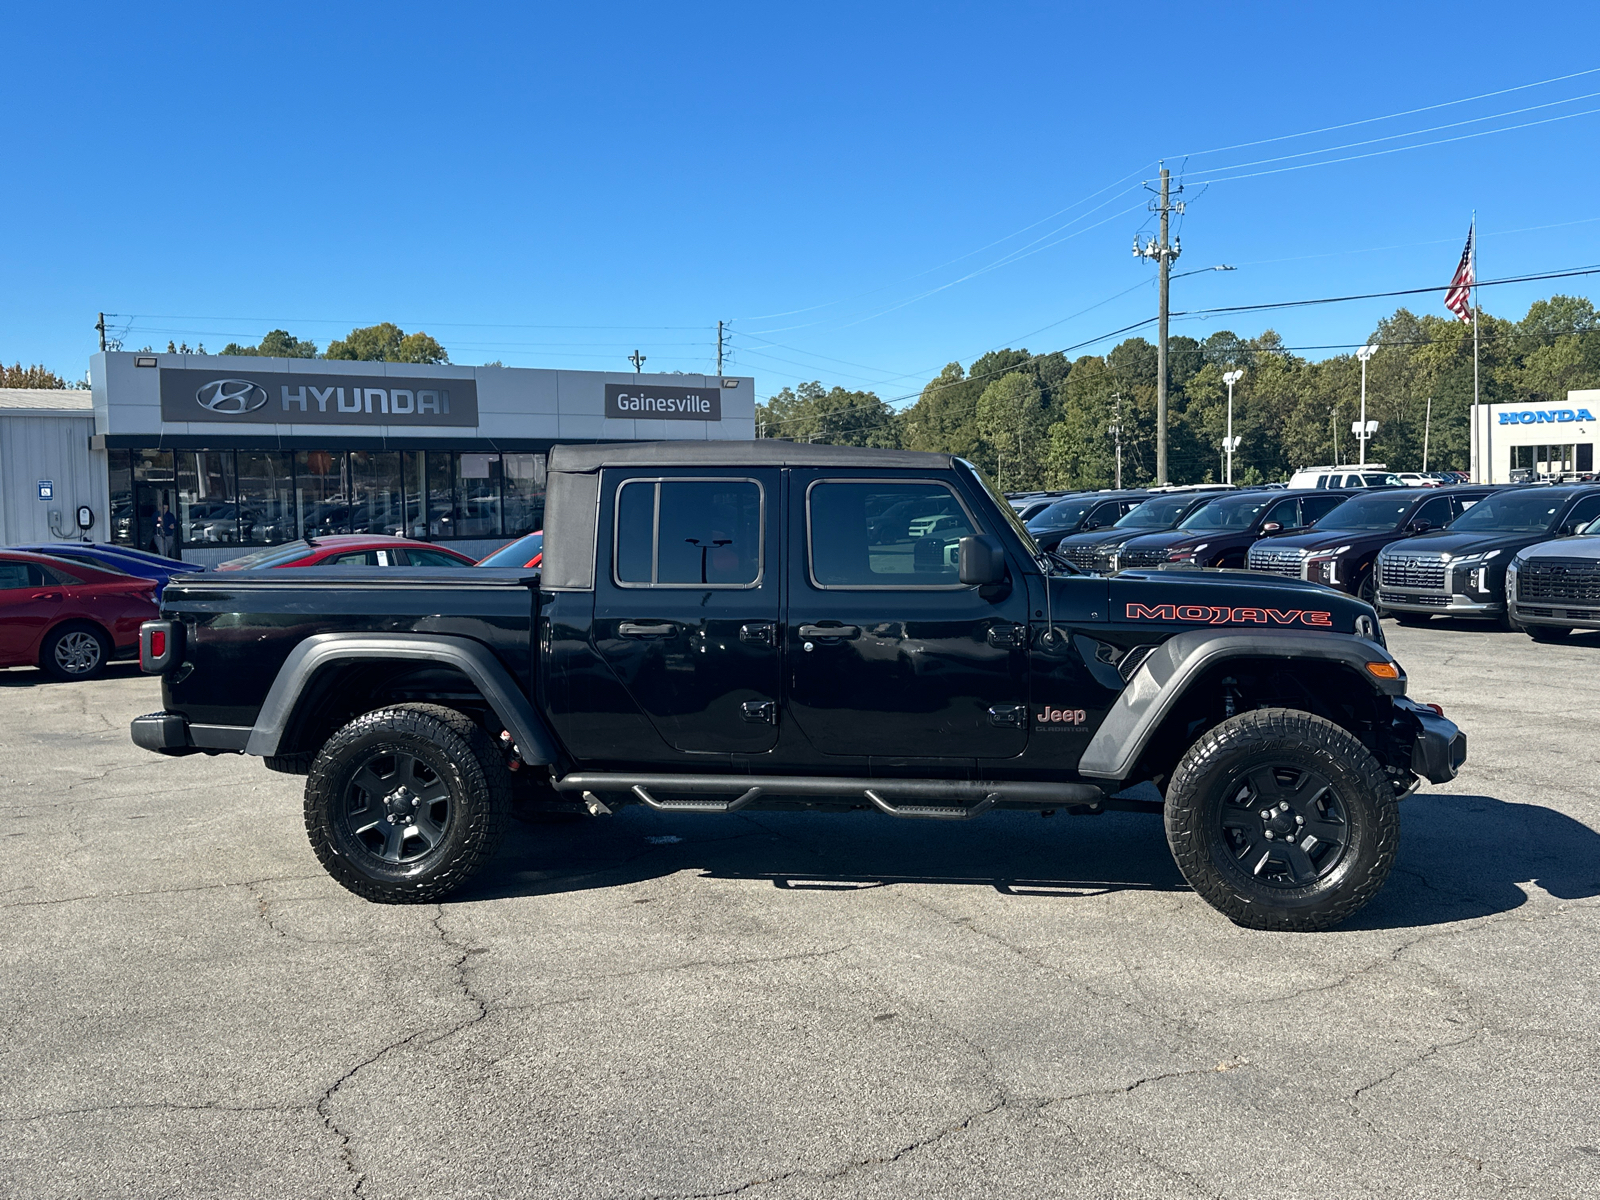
[(720, 626)]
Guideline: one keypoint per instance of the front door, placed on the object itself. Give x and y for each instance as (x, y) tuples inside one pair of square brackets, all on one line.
[(887, 654), (687, 606)]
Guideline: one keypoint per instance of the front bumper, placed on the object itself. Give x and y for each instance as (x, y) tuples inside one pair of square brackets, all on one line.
[(1440, 603), (171, 734), (1560, 616), (1439, 748)]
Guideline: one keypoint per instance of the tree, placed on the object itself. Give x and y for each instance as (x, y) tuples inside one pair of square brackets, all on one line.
[(808, 413), (387, 342), (36, 376), (279, 343), (1012, 422)]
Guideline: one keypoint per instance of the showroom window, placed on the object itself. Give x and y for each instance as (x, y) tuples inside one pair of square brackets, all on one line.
[(266, 497), (120, 468), (321, 497), (208, 500), (477, 495), (379, 501)]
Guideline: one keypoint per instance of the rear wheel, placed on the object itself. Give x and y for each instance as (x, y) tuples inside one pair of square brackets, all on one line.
[(405, 804), (76, 651), (1282, 820)]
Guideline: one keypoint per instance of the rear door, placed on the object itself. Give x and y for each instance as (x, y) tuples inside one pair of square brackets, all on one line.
[(29, 602), (687, 597), (887, 653)]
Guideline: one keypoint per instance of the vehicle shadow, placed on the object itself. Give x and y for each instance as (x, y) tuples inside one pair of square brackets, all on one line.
[(1460, 856), (34, 677)]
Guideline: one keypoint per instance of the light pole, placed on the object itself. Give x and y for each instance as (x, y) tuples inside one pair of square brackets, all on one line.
[(1231, 443), (1362, 430)]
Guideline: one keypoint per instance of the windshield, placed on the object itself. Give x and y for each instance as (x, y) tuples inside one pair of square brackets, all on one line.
[(1223, 514), (1161, 513), (1000, 503), (1064, 514), (517, 553), (1511, 512), (1368, 512)]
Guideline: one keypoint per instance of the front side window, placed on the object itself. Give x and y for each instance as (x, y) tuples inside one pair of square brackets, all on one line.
[(885, 535), (1435, 512), (688, 533), (1584, 511), (1285, 513)]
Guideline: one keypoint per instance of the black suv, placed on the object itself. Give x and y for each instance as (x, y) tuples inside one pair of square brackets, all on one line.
[(1461, 571), (1084, 511), (1339, 549), (1221, 533), (1095, 550)]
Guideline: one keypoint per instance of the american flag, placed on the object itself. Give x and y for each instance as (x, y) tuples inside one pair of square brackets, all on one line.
[(1459, 298)]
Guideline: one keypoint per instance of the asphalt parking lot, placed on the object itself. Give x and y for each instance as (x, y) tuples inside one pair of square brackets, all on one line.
[(777, 1005)]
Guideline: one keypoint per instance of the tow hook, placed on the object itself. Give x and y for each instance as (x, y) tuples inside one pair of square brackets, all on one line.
[(513, 755)]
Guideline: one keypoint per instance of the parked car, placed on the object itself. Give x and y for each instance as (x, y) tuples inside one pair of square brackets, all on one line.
[(1095, 550), (1418, 479), (1340, 549), (350, 550), (69, 618), (126, 559), (1084, 511), (1461, 571), (1554, 587), (1029, 505), (1369, 476), (1221, 533), (526, 551), (812, 672)]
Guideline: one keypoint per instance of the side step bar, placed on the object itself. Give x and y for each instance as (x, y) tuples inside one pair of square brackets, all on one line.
[(935, 799)]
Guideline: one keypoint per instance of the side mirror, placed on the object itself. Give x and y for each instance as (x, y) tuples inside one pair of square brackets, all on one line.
[(1272, 527), (983, 562), (1419, 526)]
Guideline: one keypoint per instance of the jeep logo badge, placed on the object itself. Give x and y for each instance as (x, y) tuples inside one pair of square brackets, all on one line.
[(231, 397)]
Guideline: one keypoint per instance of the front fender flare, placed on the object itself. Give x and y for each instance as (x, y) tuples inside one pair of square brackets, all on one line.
[(535, 745), (1162, 678)]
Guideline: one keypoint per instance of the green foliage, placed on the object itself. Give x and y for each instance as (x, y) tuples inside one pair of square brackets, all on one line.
[(387, 343), (36, 376), (280, 343), (809, 413)]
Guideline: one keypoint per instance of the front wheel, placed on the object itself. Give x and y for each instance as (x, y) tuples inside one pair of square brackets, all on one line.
[(1282, 820), (404, 804)]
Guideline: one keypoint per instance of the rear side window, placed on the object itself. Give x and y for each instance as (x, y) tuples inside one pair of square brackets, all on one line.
[(688, 533), (19, 575), (432, 558), (865, 534)]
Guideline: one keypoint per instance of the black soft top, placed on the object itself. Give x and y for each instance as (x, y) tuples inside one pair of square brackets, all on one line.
[(764, 452)]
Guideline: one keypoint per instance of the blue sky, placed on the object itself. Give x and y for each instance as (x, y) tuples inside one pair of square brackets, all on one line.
[(863, 191)]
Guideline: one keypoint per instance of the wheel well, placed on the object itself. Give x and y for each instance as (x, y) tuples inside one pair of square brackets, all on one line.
[(341, 691), (1329, 689)]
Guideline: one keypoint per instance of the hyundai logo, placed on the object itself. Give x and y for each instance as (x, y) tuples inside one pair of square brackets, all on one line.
[(231, 397)]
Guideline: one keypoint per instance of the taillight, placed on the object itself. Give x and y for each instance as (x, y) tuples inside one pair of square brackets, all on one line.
[(160, 645)]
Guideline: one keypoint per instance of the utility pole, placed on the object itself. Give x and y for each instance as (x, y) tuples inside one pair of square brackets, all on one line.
[(1364, 430), (1231, 443), (1427, 420), (1333, 419), (719, 347), (101, 326), (1116, 432), (1165, 255), (638, 360)]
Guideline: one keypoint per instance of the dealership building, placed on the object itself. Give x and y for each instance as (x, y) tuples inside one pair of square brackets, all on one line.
[(1512, 442), (247, 452)]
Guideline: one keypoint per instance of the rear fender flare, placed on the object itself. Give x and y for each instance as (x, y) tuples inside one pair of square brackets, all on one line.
[(535, 744), (1162, 679)]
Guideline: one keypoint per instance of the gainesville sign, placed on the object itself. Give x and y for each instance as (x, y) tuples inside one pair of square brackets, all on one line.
[(1546, 416), (649, 401), (1216, 615)]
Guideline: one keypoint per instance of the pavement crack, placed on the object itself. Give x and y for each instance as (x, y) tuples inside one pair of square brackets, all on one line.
[(156, 1106)]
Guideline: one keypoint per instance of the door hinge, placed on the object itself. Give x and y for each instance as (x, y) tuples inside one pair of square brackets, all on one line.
[(1009, 716), (1008, 637), (759, 633), (760, 712)]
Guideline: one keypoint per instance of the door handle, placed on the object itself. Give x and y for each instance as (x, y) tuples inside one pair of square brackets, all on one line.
[(1008, 637), (635, 630), (46, 596), (760, 633), (830, 631), (760, 712)]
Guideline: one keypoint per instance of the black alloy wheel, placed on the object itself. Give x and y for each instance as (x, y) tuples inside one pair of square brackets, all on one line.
[(404, 804), (1367, 589), (1282, 820), (75, 651)]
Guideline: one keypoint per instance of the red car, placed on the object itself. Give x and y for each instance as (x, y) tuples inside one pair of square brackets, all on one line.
[(526, 551), (350, 550), (69, 618)]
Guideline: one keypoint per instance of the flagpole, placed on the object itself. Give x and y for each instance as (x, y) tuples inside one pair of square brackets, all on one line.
[(1488, 455)]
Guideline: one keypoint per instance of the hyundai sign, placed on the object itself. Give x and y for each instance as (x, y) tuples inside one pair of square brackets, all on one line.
[(1542, 416), (273, 398), (652, 402)]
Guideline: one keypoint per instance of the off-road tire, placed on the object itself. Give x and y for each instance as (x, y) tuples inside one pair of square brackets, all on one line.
[(1547, 633), (75, 642), (455, 750), (1214, 769)]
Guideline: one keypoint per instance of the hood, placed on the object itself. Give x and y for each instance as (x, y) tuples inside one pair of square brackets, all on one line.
[(1586, 548), (1456, 545), (1232, 598)]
